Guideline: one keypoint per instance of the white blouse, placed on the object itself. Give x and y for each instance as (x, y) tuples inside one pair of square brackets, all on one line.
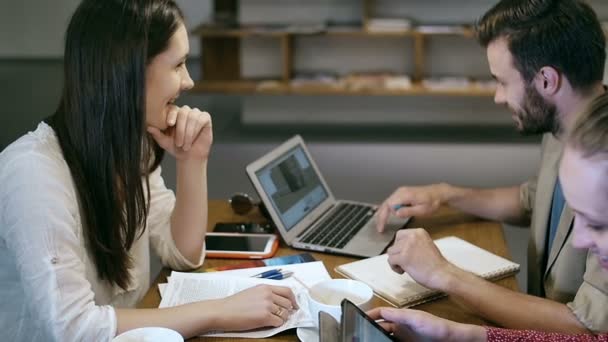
[(49, 289)]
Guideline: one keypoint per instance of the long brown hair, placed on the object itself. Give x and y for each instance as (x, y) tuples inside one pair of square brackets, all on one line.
[(100, 121)]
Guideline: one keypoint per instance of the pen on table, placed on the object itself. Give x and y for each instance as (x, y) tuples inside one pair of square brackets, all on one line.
[(276, 274), (266, 273), (280, 275)]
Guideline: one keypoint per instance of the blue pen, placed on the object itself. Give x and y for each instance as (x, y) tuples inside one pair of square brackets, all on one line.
[(280, 276), (399, 206), (267, 273)]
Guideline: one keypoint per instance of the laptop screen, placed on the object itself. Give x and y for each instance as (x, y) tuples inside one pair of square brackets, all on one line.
[(292, 185)]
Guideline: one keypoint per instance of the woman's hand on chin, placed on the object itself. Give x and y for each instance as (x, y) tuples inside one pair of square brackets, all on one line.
[(189, 134)]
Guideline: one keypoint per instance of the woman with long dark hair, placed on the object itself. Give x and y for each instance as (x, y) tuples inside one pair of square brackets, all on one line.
[(82, 197)]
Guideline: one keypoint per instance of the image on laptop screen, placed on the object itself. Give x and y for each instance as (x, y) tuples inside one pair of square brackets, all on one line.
[(293, 186)]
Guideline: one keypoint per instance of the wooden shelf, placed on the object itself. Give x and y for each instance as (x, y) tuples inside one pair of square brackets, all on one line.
[(221, 57), (206, 32), (244, 87), (239, 33)]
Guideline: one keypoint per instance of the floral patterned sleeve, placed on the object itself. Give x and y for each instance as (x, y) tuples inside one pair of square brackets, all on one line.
[(508, 335)]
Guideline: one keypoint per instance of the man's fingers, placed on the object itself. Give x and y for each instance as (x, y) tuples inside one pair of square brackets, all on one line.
[(393, 250), (397, 269), (381, 216), (393, 205), (410, 211), (394, 253)]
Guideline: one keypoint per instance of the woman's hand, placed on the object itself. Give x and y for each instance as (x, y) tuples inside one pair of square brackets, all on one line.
[(189, 134), (256, 307), (415, 325)]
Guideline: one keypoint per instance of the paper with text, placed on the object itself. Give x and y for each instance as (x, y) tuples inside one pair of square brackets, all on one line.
[(184, 288)]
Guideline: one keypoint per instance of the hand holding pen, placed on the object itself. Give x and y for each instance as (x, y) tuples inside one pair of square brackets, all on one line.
[(409, 201), (275, 274)]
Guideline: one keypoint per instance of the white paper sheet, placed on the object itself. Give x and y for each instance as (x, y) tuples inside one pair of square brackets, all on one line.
[(186, 288)]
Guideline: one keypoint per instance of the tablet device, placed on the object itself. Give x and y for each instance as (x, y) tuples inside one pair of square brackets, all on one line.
[(358, 326), (240, 246)]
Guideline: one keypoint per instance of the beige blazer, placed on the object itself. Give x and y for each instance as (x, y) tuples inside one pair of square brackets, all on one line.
[(570, 275)]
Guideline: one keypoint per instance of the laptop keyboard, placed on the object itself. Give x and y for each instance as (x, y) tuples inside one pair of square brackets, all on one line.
[(339, 227)]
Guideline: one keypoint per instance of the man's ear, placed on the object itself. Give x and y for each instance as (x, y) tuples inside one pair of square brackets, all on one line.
[(548, 80)]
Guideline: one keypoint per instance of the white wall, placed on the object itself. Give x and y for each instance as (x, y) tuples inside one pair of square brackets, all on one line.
[(362, 110), (35, 28), (370, 172)]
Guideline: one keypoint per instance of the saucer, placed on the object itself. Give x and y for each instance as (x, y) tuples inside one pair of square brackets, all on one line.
[(308, 334), (149, 334)]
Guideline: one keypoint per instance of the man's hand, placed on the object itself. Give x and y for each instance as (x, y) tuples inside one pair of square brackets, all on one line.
[(411, 201), (415, 252)]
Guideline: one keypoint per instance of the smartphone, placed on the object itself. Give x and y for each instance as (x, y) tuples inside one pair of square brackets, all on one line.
[(358, 326), (241, 246)]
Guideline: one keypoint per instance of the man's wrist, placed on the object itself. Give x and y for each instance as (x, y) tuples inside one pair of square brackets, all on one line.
[(451, 195), (446, 192), (448, 278)]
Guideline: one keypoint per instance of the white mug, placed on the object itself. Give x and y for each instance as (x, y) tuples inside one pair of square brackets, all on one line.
[(327, 296)]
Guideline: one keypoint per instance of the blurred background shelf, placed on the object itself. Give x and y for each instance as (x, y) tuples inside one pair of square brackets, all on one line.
[(222, 58), (245, 87)]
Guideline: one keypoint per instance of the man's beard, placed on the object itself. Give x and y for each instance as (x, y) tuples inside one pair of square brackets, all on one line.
[(537, 116)]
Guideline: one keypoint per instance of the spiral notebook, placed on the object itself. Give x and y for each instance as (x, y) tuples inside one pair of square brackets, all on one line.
[(401, 290)]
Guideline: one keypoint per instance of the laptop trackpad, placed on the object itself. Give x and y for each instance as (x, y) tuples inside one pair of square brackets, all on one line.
[(373, 243)]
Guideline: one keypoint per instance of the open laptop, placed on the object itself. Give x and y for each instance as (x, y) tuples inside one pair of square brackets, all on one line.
[(305, 211)]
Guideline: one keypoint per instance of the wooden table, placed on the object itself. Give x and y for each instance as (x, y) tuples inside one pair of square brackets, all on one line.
[(485, 234)]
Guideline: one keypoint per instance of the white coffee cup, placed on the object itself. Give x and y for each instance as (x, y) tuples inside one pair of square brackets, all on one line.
[(149, 334), (327, 296)]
